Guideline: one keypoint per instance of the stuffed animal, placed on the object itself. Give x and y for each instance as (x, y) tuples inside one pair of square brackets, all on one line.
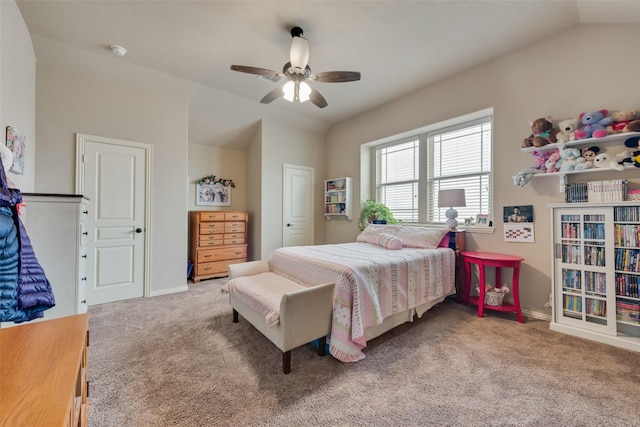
[(569, 158), (632, 158), (633, 126), (541, 158), (620, 121), (523, 177), (552, 161), (588, 153), (594, 124), (604, 160), (566, 130), (543, 133)]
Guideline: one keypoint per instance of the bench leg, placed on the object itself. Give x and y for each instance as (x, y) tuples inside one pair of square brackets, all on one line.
[(322, 345), (286, 361), (235, 316)]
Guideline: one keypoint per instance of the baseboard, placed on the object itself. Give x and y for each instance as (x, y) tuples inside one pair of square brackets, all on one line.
[(536, 315)]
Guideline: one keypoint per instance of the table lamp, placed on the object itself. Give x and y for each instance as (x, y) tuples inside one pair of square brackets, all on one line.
[(451, 198)]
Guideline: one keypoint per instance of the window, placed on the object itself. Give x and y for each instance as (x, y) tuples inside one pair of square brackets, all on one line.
[(410, 172)]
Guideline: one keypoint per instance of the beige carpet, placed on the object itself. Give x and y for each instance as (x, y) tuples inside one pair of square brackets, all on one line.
[(178, 360)]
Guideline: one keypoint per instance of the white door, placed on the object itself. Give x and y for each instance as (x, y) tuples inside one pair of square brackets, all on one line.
[(298, 206), (114, 176)]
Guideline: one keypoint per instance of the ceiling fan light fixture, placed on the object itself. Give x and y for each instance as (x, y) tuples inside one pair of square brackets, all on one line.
[(299, 53), (289, 91), (304, 92)]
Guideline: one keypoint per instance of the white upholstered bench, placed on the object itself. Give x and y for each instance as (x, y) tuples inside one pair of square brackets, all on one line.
[(287, 313)]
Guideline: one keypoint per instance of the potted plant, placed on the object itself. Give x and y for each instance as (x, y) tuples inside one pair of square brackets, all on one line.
[(372, 212)]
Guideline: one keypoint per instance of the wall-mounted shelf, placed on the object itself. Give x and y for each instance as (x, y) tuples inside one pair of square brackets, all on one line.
[(616, 139), (337, 198), (609, 140)]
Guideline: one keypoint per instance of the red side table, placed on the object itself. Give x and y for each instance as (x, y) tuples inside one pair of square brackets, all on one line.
[(490, 259)]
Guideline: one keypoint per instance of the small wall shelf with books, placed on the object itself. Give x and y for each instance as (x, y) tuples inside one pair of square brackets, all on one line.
[(337, 198), (596, 271)]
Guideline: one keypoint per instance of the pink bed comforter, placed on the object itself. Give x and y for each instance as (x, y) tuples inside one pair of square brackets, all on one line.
[(371, 284)]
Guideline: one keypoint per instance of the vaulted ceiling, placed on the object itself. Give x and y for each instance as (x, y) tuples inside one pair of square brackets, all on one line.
[(398, 46)]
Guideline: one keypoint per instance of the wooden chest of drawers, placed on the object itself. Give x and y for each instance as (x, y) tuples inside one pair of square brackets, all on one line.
[(216, 239), (43, 374)]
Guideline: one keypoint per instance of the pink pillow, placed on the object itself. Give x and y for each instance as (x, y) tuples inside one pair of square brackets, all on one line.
[(389, 242), (421, 237), (373, 232), (444, 243)]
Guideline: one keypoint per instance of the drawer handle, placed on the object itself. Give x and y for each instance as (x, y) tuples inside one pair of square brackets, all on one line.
[(85, 212), (208, 256), (84, 278), (235, 216), (238, 253), (207, 268), (84, 256), (86, 233), (84, 301)]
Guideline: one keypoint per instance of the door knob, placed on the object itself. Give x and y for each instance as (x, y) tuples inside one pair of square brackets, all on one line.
[(138, 230)]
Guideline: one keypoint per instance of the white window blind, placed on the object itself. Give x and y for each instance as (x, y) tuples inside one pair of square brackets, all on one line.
[(458, 156), (397, 172)]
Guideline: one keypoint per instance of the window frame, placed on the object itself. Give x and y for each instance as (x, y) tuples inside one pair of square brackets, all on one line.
[(426, 180)]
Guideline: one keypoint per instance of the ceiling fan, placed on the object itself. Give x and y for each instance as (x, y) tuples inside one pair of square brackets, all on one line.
[(293, 85)]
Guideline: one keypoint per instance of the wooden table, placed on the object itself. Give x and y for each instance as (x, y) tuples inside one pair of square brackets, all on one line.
[(498, 261)]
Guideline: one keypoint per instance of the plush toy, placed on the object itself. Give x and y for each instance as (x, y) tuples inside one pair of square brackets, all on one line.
[(594, 124), (620, 121), (552, 161), (588, 153), (543, 133), (566, 130), (523, 177), (604, 160), (632, 158), (633, 126), (569, 158), (541, 158)]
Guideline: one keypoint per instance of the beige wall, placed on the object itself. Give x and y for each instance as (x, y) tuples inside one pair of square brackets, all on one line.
[(70, 102), (563, 76), (18, 88), (283, 144), (254, 194), (207, 160)]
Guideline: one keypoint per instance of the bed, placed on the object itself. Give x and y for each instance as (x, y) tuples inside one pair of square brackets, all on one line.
[(389, 275)]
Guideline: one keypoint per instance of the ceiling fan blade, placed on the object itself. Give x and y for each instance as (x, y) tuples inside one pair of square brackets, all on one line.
[(335, 76), (255, 70), (317, 99), (274, 94)]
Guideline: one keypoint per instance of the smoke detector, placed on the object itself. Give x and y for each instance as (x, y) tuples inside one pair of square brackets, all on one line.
[(118, 50)]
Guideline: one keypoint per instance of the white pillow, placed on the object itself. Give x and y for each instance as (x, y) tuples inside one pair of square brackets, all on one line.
[(389, 242), (421, 237), (373, 232)]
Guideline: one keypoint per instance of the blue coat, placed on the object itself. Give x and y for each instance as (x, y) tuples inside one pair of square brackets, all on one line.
[(25, 291)]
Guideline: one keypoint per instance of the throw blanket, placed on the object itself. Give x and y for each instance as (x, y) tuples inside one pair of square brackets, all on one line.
[(371, 284)]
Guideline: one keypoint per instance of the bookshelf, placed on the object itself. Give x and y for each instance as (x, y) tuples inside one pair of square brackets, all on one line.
[(337, 198), (596, 271)]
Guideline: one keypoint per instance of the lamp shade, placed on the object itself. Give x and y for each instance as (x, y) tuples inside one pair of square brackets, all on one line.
[(451, 198)]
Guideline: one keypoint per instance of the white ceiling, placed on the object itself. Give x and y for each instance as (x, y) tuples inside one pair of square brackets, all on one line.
[(398, 46)]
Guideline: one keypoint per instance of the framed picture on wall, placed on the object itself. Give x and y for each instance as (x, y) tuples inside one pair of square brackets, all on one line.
[(213, 191)]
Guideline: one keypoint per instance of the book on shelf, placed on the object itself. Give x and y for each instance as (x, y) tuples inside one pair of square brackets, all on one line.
[(613, 190)]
